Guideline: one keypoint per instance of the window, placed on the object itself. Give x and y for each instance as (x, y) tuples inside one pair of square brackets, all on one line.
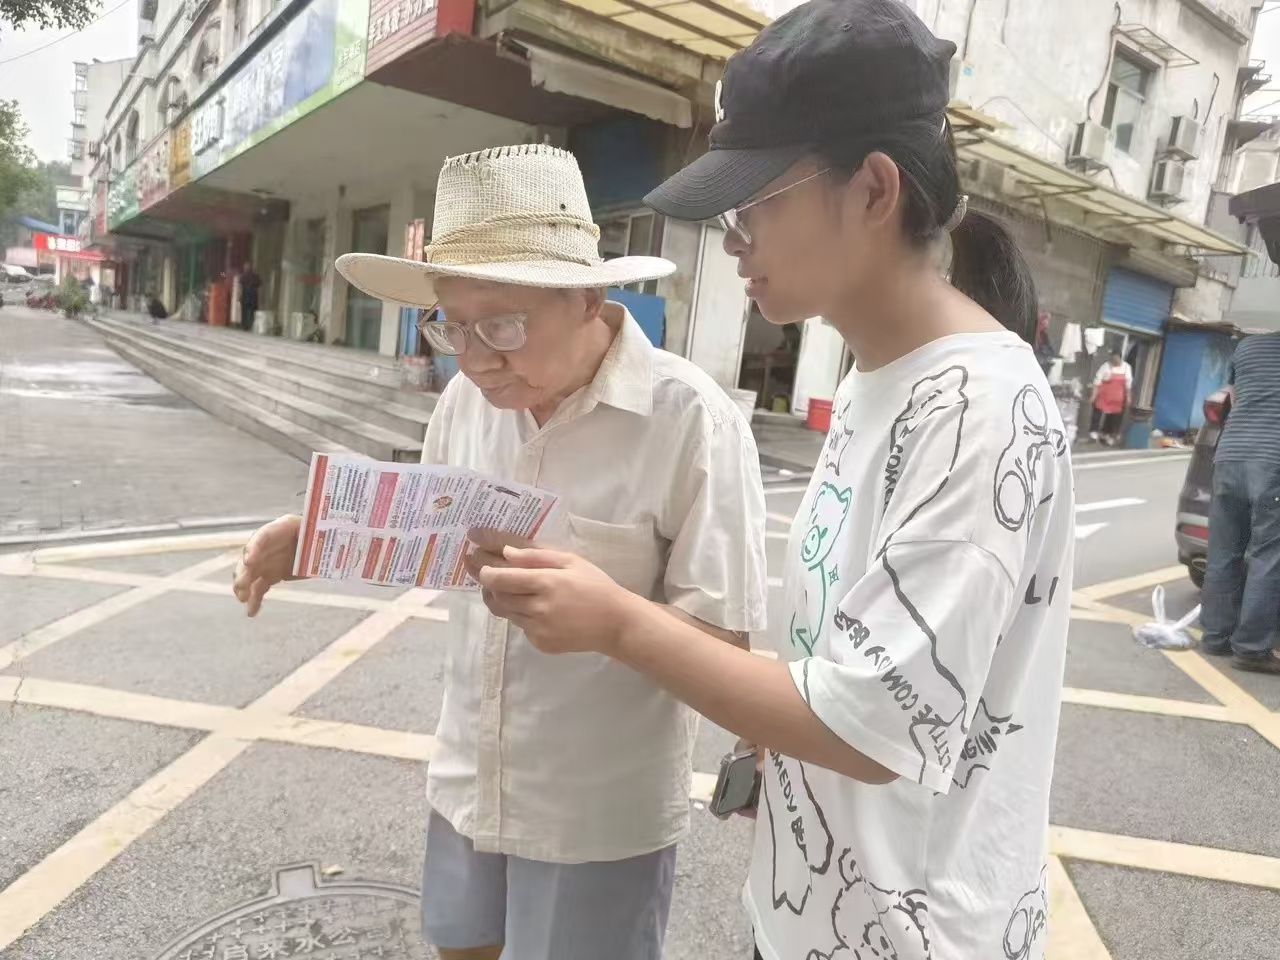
[(81, 112), (1126, 94), (131, 135), (237, 22), (632, 235)]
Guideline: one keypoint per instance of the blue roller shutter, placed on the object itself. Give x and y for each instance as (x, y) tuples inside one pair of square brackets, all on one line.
[(1136, 302)]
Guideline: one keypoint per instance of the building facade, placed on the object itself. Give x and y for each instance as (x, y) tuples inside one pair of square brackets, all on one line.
[(248, 135)]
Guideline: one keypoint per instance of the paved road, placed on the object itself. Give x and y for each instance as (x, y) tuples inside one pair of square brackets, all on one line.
[(161, 756)]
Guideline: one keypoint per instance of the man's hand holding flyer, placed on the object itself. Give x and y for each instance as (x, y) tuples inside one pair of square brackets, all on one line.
[(406, 524)]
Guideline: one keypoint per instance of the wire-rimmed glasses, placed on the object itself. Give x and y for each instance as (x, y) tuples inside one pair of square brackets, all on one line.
[(502, 334), (733, 219)]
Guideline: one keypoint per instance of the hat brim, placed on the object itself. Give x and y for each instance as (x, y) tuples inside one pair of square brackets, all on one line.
[(412, 283), (720, 180)]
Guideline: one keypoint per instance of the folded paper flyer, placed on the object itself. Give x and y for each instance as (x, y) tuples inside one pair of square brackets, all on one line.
[(405, 524)]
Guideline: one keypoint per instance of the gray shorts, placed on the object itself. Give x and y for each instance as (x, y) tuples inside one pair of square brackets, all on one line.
[(543, 911)]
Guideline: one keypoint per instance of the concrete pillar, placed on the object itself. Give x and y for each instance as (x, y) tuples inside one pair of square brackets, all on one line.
[(402, 212), (333, 293), (289, 271)]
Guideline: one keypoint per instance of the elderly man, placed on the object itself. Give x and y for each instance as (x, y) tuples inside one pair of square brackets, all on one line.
[(559, 786)]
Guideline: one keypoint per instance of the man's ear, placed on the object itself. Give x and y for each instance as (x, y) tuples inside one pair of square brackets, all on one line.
[(882, 187), (593, 302)]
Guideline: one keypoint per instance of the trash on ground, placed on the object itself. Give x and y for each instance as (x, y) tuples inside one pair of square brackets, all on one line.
[(1163, 634)]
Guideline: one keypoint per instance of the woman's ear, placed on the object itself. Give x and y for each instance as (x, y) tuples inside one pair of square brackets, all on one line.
[(882, 186)]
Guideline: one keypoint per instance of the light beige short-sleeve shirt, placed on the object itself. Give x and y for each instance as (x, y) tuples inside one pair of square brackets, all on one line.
[(577, 758)]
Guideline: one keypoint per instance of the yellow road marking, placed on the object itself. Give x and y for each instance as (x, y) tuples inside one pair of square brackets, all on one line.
[(1185, 859), (42, 888), (1114, 588), (95, 613), (142, 546), (188, 715), (182, 583), (1072, 935), (1141, 704)]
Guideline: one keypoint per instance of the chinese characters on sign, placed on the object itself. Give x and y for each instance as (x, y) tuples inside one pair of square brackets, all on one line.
[(56, 243), (396, 17)]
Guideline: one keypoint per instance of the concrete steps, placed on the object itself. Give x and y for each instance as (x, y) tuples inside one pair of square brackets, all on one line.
[(297, 397)]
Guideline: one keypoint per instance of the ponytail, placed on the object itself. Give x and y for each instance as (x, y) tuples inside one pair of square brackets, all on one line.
[(988, 268)]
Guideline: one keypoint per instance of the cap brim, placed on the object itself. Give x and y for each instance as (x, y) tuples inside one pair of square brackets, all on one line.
[(720, 180)]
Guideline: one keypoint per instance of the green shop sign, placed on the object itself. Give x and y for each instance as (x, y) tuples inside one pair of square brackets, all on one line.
[(317, 55), (122, 197)]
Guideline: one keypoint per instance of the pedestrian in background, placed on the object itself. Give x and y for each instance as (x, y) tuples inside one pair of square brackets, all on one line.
[(1240, 602), (909, 720), (1111, 389), (249, 285), (559, 788)]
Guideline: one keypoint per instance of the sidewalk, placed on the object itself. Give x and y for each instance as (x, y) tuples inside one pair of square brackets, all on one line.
[(91, 444)]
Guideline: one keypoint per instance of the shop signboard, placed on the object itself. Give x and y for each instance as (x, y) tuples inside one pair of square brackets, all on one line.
[(153, 172), (317, 55), (56, 242), (122, 197), (399, 27), (98, 208), (180, 154)]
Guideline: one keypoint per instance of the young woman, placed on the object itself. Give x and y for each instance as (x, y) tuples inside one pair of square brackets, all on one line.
[(909, 720)]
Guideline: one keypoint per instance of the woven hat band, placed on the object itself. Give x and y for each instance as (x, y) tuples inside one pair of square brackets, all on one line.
[(517, 237)]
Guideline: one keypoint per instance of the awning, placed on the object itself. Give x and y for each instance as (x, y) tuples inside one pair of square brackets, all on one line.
[(559, 73), (713, 28), (1104, 207)]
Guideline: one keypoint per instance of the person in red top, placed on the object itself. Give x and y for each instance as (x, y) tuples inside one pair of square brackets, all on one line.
[(1110, 398)]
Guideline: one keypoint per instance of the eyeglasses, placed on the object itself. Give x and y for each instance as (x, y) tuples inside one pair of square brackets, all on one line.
[(733, 219), (502, 334)]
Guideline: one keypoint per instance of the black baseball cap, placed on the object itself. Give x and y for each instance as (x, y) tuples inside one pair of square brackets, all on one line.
[(827, 71)]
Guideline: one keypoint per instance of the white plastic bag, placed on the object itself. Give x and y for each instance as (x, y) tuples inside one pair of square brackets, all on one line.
[(1160, 634)]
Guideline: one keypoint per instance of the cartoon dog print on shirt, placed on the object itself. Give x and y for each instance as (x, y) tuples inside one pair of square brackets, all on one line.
[(827, 514), (873, 923), (1024, 936), (802, 842), (1018, 469)]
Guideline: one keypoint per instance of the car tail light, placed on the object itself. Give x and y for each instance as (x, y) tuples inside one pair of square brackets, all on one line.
[(1215, 407), (1192, 530)]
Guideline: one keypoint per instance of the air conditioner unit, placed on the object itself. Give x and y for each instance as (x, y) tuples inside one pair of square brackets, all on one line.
[(94, 148), (1091, 146), (1167, 181), (1184, 138)]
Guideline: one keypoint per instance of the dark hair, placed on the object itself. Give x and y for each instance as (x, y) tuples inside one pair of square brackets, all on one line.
[(986, 264)]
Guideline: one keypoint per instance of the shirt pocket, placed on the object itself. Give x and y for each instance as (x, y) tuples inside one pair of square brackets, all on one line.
[(627, 552)]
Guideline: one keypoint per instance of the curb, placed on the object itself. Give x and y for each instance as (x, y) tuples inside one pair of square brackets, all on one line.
[(71, 538)]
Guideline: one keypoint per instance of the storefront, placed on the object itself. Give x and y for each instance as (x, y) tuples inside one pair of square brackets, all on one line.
[(1135, 310)]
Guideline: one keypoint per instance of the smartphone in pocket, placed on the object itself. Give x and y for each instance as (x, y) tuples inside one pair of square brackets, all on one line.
[(738, 786)]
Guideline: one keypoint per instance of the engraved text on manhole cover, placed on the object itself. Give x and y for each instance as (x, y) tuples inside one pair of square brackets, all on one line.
[(305, 916)]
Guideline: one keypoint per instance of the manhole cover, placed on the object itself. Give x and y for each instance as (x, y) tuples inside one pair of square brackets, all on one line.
[(305, 916)]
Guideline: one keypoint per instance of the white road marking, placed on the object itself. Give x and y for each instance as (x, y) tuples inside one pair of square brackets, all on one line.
[(779, 518), (1086, 530), (1139, 461), (1108, 504)]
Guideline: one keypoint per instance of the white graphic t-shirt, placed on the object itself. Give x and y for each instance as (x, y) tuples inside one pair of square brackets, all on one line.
[(928, 592)]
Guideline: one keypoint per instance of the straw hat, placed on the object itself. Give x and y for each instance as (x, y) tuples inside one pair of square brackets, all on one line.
[(511, 215)]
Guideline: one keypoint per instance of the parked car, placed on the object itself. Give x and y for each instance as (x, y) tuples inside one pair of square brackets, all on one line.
[(11, 273), (1191, 530)]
